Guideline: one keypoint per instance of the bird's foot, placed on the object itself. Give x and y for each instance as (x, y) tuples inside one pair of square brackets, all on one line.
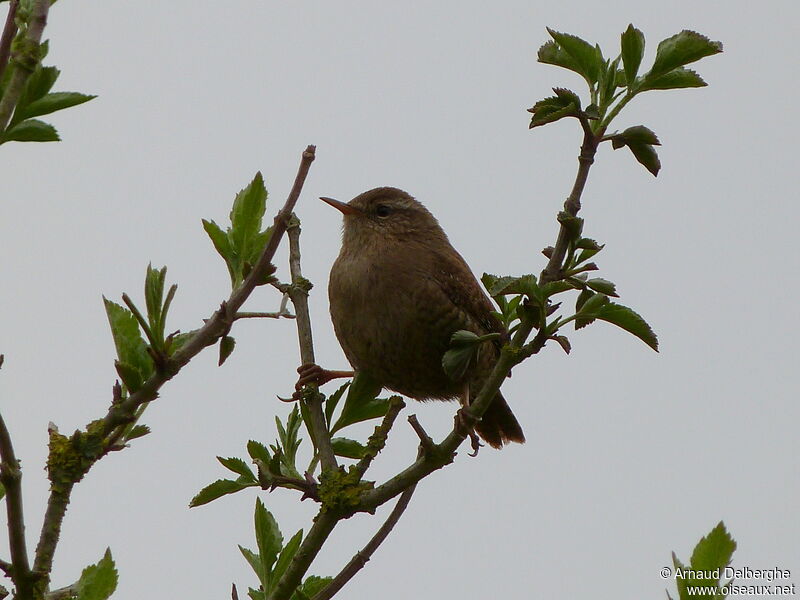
[(465, 423), (311, 373)]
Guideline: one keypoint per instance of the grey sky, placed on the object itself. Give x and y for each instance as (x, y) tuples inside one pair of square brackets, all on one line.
[(631, 454)]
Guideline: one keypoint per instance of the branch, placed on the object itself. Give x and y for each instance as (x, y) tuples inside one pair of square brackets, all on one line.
[(552, 271), (263, 315), (11, 478), (377, 440), (323, 525), (438, 455), (24, 65), (9, 31), (124, 411), (219, 323), (298, 292), (362, 557)]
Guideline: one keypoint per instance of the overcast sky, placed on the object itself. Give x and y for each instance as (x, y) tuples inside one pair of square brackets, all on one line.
[(630, 454)]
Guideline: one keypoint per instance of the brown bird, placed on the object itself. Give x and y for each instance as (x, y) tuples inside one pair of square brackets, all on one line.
[(398, 291)]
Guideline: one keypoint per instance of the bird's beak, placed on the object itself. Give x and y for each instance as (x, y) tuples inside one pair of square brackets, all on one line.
[(342, 206)]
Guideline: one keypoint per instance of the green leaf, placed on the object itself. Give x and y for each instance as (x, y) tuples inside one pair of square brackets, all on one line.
[(131, 376), (285, 557), (219, 488), (607, 84), (640, 140), (712, 552), (715, 550), (586, 59), (604, 286), (137, 431), (361, 403), (258, 451), (552, 54), (464, 348), (347, 448), (552, 288), (312, 586), (627, 319), (98, 581), (248, 210), (238, 466), (226, 345), (497, 286), (268, 536), (50, 103), (134, 361), (154, 297), (647, 156), (255, 563), (632, 44), (636, 134), (219, 239), (582, 298), (565, 103), (39, 83), (680, 50), (332, 402), (573, 225), (2, 491), (31, 130), (589, 307), (675, 79)]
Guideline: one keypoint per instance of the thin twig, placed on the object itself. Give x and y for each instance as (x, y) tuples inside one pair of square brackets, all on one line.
[(123, 412), (11, 478), (64, 593), (298, 292), (425, 440), (552, 271), (263, 315), (9, 31), (377, 441), (362, 557), (24, 65)]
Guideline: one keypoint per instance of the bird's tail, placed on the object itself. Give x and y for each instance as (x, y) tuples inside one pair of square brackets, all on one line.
[(499, 425)]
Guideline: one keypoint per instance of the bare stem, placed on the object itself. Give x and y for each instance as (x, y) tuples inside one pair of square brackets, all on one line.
[(362, 557), (11, 478), (263, 315), (552, 271), (9, 31), (24, 64), (298, 292)]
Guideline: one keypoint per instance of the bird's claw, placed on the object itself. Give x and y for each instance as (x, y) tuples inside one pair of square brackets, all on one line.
[(465, 423), (313, 374)]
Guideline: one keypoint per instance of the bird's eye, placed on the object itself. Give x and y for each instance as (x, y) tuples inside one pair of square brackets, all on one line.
[(382, 210)]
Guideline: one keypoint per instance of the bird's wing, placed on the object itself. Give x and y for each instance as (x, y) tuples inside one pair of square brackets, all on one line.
[(456, 281)]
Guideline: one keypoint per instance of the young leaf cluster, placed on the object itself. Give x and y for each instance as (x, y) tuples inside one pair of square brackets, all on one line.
[(36, 98), (526, 300), (273, 557), (277, 464), (612, 83), (138, 356), (712, 552), (242, 242)]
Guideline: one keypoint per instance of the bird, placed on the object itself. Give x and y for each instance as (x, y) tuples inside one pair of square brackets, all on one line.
[(398, 291)]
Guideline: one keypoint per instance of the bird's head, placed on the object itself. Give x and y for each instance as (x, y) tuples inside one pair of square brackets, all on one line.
[(385, 213)]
